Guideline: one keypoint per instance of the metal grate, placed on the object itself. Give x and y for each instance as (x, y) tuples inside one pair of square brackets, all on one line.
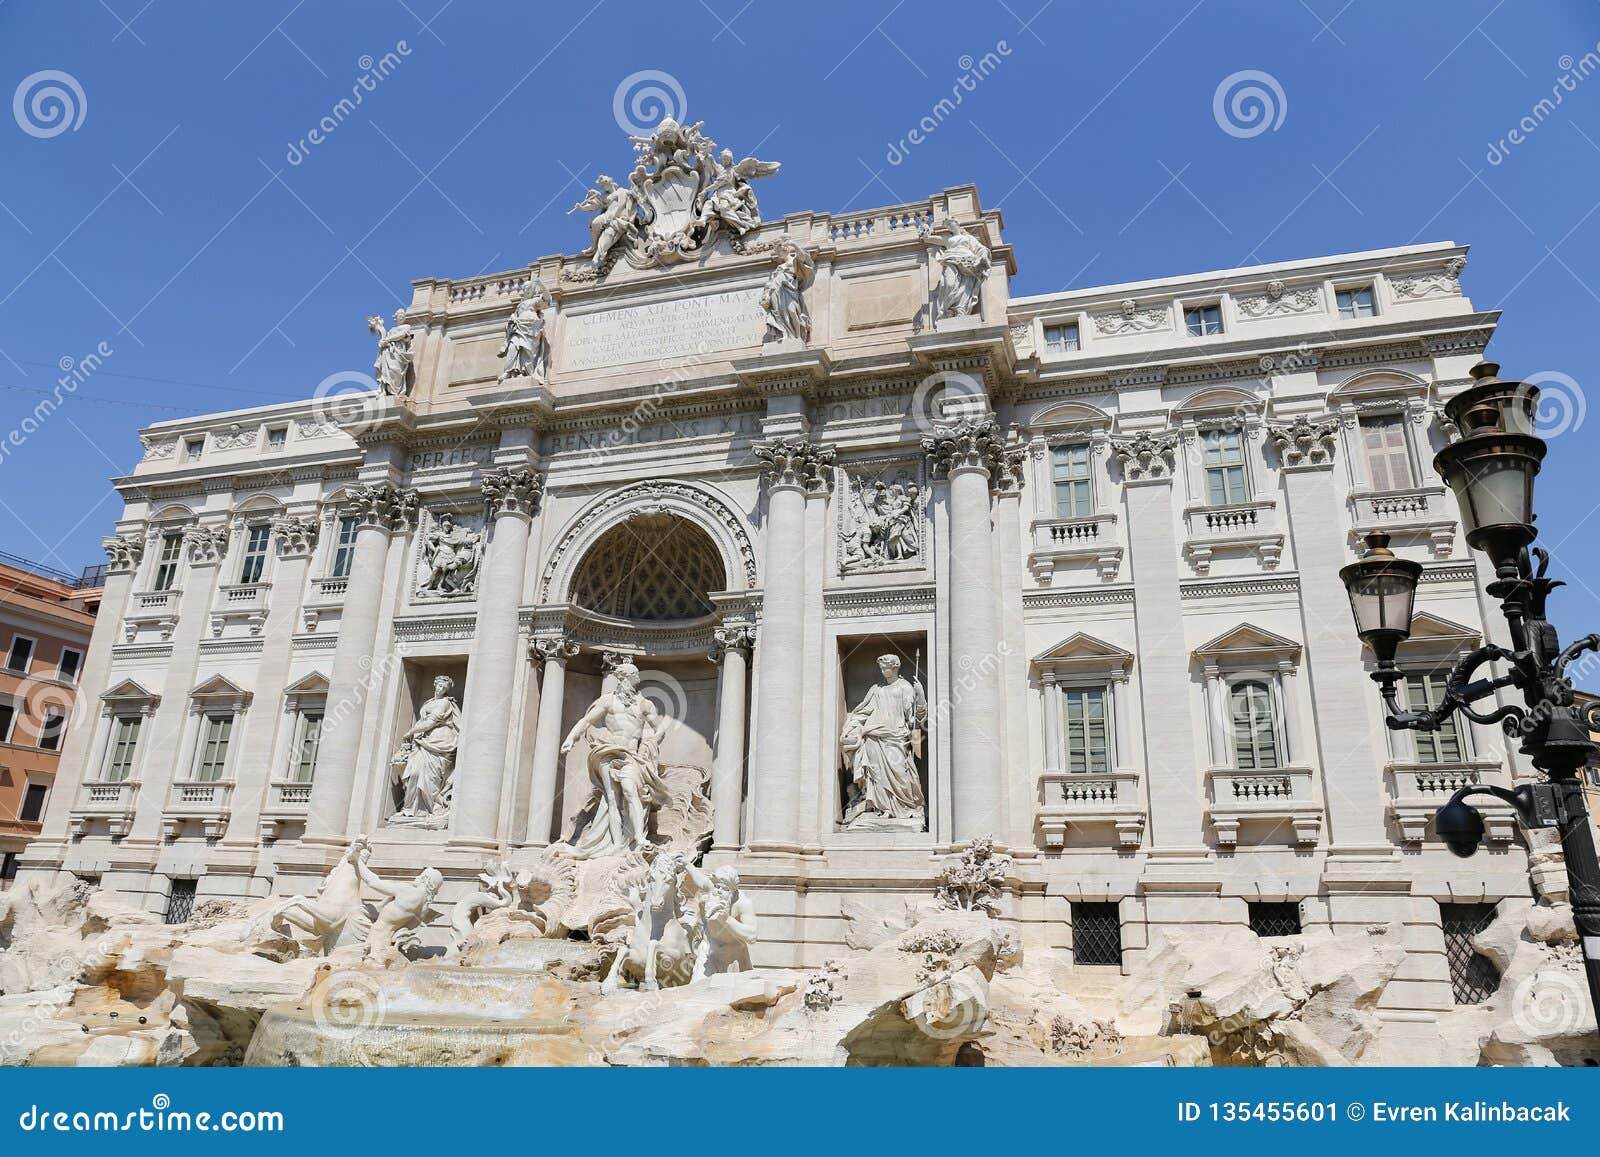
[(1472, 976), (1096, 934), (180, 901), (1275, 919)]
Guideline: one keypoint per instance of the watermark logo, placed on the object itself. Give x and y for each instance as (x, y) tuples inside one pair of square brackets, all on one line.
[(348, 399), (973, 72), (1561, 405), (49, 103), (373, 73), (1249, 103), (942, 398), (644, 99), (1573, 73), (1550, 1003), (348, 1000)]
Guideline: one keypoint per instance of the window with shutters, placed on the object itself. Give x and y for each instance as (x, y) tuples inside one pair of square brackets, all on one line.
[(344, 549), (216, 731), (1425, 691), (1255, 726), (1074, 488), (124, 743), (308, 739), (1086, 735), (167, 561), (254, 562), (1383, 437), (1222, 454)]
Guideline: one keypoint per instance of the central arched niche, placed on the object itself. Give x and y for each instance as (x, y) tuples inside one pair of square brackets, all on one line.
[(652, 568)]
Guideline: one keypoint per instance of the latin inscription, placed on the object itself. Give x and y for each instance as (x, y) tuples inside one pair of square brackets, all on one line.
[(663, 330)]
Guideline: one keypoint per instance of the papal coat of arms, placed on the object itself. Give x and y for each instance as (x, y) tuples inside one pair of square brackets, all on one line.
[(679, 197)]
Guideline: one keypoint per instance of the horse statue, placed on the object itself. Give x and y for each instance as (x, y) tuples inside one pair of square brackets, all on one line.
[(658, 947)]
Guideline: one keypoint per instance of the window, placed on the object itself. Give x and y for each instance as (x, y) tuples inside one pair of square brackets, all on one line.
[(1354, 303), (1222, 452), (1423, 692), (180, 902), (8, 867), (8, 716), (1255, 726), (277, 438), (124, 741), (21, 654), (344, 549), (1275, 919), (255, 554), (193, 448), (215, 732), (52, 728), (1074, 488), (305, 748), (1203, 320), (1084, 717), (1096, 933), (167, 561), (1473, 978), (70, 664), (1062, 339), (33, 803), (1383, 437)]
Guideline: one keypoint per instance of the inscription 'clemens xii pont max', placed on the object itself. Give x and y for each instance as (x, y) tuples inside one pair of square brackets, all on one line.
[(663, 330)]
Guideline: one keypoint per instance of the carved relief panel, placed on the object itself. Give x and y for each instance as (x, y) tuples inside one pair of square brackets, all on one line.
[(882, 517)]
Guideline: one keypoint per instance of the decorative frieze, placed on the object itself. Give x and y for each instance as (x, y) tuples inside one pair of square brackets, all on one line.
[(1130, 317), (1444, 282), (1278, 301)]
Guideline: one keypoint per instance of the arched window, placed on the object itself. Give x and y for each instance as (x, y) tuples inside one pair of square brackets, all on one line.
[(1255, 726)]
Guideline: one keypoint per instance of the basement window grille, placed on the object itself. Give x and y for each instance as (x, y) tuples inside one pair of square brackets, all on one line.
[(180, 901), (1275, 919), (1096, 933), (1472, 976)]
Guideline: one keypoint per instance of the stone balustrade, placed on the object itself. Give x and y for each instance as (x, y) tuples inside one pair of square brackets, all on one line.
[(1091, 801), (1278, 796)]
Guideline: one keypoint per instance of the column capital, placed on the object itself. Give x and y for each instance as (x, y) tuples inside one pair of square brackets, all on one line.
[(725, 639), (381, 504), (558, 648), (208, 545), (512, 490), (1306, 442), (296, 537), (124, 553), (1148, 456), (977, 444), (792, 460)]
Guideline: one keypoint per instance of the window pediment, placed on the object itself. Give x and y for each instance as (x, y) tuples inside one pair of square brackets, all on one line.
[(219, 692), (1082, 654), (129, 695), (1247, 644)]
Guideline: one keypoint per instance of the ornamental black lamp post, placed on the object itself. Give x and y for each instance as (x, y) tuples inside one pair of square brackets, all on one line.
[(1491, 469)]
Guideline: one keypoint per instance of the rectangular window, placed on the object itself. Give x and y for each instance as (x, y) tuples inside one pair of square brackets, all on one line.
[(8, 867), (1073, 487), (1275, 919), (124, 741), (20, 655), (215, 732), (277, 438), (1255, 726), (1096, 933), (52, 728), (305, 748), (255, 554), (1473, 978), (1423, 692), (70, 664), (1203, 320), (180, 901), (1083, 712), (1222, 453), (1062, 339), (1383, 438), (1354, 303), (344, 549), (193, 448), (33, 803), (167, 561), (8, 716)]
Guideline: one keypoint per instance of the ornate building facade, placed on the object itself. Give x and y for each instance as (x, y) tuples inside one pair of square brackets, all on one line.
[(902, 560)]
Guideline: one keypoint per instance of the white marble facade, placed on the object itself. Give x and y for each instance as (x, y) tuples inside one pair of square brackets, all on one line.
[(1106, 544)]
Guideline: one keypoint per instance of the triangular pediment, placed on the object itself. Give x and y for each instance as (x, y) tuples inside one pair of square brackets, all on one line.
[(220, 689), (1081, 650), (1245, 640), (129, 691), (1428, 628), (315, 683)]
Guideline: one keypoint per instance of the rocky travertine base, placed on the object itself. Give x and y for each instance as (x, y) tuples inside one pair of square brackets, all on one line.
[(89, 982)]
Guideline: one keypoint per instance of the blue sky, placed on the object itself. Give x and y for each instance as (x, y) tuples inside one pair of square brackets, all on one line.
[(170, 223)]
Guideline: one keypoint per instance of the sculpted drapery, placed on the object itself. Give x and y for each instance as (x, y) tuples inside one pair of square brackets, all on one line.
[(878, 743)]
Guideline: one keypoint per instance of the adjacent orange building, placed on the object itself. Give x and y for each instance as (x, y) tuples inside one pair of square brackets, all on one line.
[(46, 617)]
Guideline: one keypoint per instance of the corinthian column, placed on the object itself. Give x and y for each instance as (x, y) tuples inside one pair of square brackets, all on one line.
[(379, 510), (547, 737), (973, 454), (512, 498), (728, 650), (795, 466)]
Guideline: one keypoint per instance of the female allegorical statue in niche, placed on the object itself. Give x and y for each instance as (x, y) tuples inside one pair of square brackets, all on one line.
[(425, 764), (879, 742)]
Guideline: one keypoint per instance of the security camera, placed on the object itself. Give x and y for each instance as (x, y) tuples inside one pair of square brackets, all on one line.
[(1460, 827)]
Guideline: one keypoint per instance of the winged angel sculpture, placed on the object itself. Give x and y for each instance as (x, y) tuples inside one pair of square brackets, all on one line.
[(679, 197)]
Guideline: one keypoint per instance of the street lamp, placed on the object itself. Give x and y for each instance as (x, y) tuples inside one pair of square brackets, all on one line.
[(1491, 468)]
